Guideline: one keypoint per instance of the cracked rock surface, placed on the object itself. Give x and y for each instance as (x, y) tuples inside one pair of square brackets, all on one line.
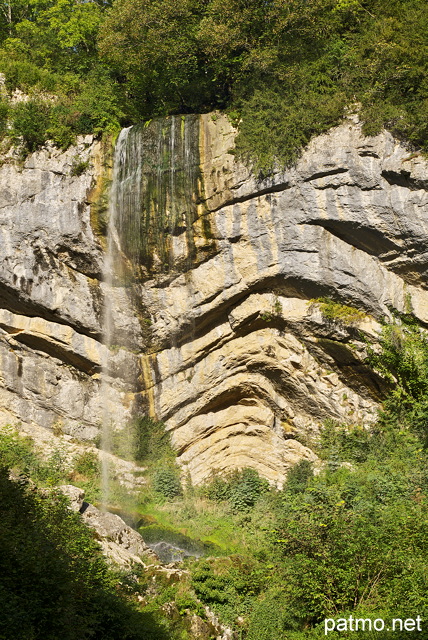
[(235, 356), (247, 366)]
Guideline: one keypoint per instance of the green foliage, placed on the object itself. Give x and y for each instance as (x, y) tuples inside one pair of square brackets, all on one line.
[(19, 454), (268, 619), (54, 582), (337, 312), (4, 114), (241, 489), (287, 69), (166, 482), (218, 488), (144, 440), (87, 463), (353, 538), (277, 123), (30, 122), (152, 442), (299, 476), (402, 358), (230, 586), (78, 166), (246, 488), (186, 602), (284, 71), (338, 444)]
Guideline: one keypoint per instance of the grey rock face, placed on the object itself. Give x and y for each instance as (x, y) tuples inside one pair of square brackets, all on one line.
[(74, 494), (120, 543), (241, 365), (51, 298)]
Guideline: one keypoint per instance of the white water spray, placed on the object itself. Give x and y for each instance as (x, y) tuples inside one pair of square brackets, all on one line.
[(109, 276), (152, 207)]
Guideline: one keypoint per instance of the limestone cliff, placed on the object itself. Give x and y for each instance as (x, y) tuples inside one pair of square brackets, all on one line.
[(216, 333)]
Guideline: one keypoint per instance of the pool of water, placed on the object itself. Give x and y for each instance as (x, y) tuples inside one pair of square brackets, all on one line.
[(173, 546), (168, 544)]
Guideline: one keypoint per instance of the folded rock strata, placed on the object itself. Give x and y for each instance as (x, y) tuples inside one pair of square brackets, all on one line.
[(220, 336)]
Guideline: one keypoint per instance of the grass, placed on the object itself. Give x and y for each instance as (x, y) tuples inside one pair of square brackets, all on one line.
[(215, 522)]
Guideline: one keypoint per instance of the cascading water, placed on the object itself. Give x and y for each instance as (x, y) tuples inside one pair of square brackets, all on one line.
[(154, 202), (109, 277)]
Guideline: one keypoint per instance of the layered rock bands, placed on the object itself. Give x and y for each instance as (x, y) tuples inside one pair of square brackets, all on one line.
[(217, 332)]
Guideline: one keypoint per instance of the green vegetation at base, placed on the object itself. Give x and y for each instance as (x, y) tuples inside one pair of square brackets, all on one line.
[(284, 71), (348, 540), (54, 583)]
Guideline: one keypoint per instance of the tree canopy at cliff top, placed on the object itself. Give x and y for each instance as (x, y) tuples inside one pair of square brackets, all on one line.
[(287, 69)]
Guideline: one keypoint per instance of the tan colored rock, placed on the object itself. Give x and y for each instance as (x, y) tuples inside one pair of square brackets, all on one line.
[(242, 349), (240, 364)]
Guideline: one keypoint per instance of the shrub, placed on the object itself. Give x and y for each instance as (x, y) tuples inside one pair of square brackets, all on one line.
[(152, 442), (31, 122), (298, 476), (87, 463), (246, 488), (267, 620), (166, 482), (218, 488), (18, 453), (4, 114), (403, 360), (241, 488)]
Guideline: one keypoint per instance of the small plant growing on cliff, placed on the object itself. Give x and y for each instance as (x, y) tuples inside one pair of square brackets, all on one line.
[(402, 359), (78, 166), (337, 312), (276, 311)]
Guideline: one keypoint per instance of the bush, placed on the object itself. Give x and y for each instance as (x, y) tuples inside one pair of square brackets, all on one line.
[(31, 122), (246, 488), (268, 618), (166, 482), (402, 359), (218, 488), (241, 488), (352, 537), (230, 586), (299, 476), (152, 442), (18, 453), (4, 114), (88, 464)]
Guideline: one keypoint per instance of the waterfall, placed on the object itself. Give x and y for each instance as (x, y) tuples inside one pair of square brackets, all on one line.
[(156, 181), (153, 204), (109, 277)]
